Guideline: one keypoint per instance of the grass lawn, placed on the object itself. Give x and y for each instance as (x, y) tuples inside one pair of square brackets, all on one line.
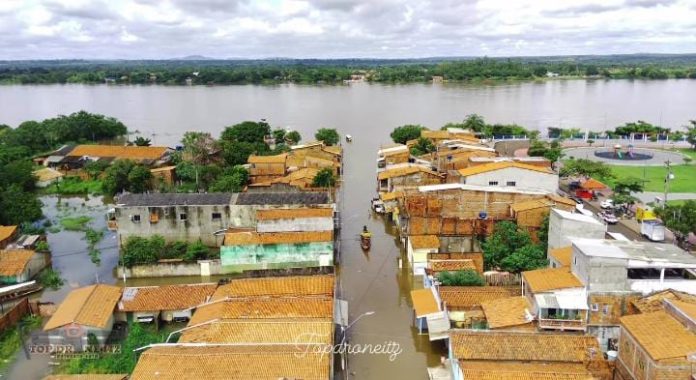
[(74, 186), (684, 177), (689, 152), (77, 223), (10, 341)]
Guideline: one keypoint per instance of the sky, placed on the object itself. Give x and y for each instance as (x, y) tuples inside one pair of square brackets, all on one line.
[(154, 29)]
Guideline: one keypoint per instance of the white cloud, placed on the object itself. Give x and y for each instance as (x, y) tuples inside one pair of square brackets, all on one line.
[(342, 28)]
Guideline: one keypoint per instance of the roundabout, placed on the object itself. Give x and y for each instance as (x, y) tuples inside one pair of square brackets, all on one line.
[(625, 155)]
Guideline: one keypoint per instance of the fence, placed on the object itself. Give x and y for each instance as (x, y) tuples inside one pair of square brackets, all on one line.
[(12, 316)]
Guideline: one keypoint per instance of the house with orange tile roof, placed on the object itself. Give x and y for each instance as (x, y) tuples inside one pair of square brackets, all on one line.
[(273, 250), (510, 174), (7, 235), (20, 265), (406, 176), (84, 312), (658, 344), (558, 298), (417, 249), (525, 355), (75, 157), (295, 219), (166, 302), (266, 168)]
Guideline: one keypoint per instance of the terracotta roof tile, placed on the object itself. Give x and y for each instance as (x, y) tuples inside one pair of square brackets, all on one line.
[(524, 371), (47, 174), (563, 255), (654, 302), (660, 335), (531, 205), (293, 213), (424, 241), (319, 285), (560, 199), (542, 280), (424, 302), (166, 297), (477, 257), (506, 312), (386, 197), (520, 346), (484, 168), (261, 331), (593, 184), (277, 159), (14, 261), (7, 231), (124, 152), (233, 363), (468, 297), (249, 238), (404, 171), (89, 306), (255, 308), (437, 266)]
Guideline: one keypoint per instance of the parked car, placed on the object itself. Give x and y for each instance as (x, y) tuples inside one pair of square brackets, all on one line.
[(609, 217), (607, 204), (577, 200), (652, 229)]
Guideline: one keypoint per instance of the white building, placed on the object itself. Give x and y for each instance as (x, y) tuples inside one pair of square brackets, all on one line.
[(510, 174), (564, 225), (417, 248)]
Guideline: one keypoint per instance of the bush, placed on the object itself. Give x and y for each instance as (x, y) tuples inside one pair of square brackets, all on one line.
[(196, 251), (406, 132), (467, 277), (328, 135), (51, 279)]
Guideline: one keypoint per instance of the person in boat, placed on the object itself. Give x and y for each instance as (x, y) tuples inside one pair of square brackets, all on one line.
[(366, 233)]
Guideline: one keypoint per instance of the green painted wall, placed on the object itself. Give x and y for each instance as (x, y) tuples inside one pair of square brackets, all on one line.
[(274, 256)]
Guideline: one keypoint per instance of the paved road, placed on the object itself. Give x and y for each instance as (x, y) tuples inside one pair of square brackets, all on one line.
[(649, 196)]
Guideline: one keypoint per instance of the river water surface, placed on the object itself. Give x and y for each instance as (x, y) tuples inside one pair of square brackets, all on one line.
[(370, 281)]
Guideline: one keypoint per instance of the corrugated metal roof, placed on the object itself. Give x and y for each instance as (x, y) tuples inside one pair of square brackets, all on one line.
[(174, 199), (305, 198)]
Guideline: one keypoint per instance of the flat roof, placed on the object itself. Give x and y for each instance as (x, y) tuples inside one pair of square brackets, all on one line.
[(547, 279), (576, 217), (424, 302), (638, 253), (489, 189)]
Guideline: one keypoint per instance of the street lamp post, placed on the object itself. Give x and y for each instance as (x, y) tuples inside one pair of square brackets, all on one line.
[(344, 331), (668, 177)]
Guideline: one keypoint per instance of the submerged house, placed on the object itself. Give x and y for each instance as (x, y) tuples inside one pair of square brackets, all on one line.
[(20, 265), (85, 312), (74, 157), (7, 235)]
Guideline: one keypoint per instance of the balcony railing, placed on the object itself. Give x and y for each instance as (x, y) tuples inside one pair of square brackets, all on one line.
[(562, 324)]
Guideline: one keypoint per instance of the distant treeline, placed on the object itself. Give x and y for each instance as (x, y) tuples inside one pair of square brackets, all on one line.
[(178, 72)]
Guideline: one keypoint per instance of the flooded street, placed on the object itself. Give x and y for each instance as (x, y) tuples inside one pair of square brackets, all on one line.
[(372, 281)]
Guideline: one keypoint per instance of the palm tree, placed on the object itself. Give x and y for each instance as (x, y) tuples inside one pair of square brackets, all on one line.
[(142, 141)]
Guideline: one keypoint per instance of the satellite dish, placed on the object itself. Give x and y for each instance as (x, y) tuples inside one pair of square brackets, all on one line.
[(483, 215)]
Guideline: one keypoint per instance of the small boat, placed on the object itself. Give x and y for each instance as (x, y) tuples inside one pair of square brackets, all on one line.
[(365, 239), (349, 138)]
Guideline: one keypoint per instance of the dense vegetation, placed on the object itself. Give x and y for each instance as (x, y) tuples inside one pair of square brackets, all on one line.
[(336, 71), (679, 218), (468, 277), (512, 249), (138, 250)]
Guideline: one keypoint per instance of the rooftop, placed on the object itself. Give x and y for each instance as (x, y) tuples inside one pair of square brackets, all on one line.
[(493, 166), (386, 197), (47, 174), (452, 265), (576, 216), (563, 255), (424, 241), (404, 171), (638, 254), (670, 340), (132, 152), (262, 362), (89, 306), (7, 231), (264, 308), (277, 159), (531, 205), (487, 189), (165, 297), (174, 199), (507, 312), (251, 237), (301, 198), (260, 331), (87, 376), (319, 285), (293, 213), (467, 297), (520, 346), (14, 261), (501, 159), (655, 301), (525, 371), (424, 302), (546, 279), (399, 149)]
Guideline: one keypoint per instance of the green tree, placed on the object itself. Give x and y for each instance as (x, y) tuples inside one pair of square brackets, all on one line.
[(506, 239), (116, 177), (475, 123), (18, 173), (628, 185), (142, 141), (197, 149), (139, 179), (586, 168), (679, 218), (423, 146), (466, 277), (247, 131), (406, 132), (232, 180), (278, 135), (237, 153), (328, 135), (18, 206), (293, 137), (525, 258), (324, 178), (691, 133), (138, 250), (95, 168)]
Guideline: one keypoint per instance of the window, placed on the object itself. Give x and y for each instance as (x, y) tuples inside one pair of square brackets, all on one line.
[(594, 307), (182, 216), (217, 216), (511, 183), (492, 183), (606, 309), (135, 218)]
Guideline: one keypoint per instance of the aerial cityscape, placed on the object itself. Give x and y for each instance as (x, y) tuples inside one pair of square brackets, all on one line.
[(347, 189)]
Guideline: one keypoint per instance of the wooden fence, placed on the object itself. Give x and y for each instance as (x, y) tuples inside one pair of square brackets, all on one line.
[(14, 314)]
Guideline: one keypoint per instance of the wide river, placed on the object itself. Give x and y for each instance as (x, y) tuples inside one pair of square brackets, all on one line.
[(370, 281)]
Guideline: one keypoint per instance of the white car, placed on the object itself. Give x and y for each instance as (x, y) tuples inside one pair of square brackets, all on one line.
[(607, 203)]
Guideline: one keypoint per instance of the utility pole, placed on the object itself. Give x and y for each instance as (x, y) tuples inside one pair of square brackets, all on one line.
[(668, 177)]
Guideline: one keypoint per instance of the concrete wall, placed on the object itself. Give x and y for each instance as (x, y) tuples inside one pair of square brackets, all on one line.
[(600, 274), (295, 225), (216, 268), (603, 334), (198, 223), (524, 179), (244, 216), (459, 244), (561, 230)]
